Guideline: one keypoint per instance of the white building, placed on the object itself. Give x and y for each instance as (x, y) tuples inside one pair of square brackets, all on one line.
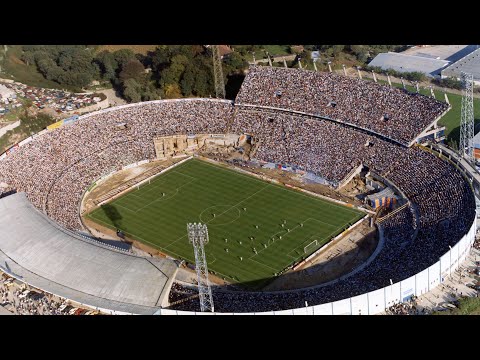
[(5, 92)]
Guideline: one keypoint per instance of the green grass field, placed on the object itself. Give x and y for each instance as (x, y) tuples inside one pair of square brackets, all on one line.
[(277, 50), (249, 214)]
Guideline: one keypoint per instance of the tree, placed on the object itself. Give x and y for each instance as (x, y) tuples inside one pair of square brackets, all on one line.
[(331, 50), (150, 93), (123, 56), (48, 68), (172, 74), (107, 63), (177, 67), (28, 58), (453, 144), (81, 79), (360, 52), (200, 87), (133, 70), (172, 91), (356, 49), (160, 59), (235, 62), (337, 50), (132, 90), (414, 76), (77, 60), (362, 56), (188, 80)]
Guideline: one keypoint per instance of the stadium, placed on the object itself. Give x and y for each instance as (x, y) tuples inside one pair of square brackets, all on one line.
[(142, 171)]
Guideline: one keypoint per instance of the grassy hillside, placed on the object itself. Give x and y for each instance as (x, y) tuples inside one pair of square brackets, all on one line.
[(137, 49), (467, 306), (16, 69)]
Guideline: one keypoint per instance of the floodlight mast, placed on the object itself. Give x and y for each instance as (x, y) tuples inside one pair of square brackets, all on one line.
[(467, 122), (198, 236)]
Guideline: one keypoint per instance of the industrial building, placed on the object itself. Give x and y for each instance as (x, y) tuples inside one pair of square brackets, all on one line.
[(469, 64)]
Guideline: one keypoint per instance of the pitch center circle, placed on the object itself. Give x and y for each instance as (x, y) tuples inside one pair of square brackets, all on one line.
[(219, 215)]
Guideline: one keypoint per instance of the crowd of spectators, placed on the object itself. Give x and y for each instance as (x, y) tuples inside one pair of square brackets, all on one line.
[(441, 211), (386, 110), (400, 226), (54, 169), (326, 148), (21, 301), (180, 292), (406, 308), (476, 245)]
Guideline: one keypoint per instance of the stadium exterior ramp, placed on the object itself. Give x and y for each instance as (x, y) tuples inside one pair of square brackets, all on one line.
[(39, 253)]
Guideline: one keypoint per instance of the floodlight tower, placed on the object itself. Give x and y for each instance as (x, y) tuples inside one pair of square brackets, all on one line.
[(467, 120), (218, 73), (198, 236)]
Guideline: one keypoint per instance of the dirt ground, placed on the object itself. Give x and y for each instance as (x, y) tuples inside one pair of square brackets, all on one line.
[(340, 258), (112, 97), (355, 187), (285, 177)]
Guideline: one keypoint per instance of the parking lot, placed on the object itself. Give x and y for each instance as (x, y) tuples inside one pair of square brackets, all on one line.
[(58, 100)]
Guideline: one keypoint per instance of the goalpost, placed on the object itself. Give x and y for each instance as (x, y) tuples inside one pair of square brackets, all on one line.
[(310, 247)]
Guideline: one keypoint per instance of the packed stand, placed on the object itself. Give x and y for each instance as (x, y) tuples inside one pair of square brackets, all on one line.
[(400, 227), (446, 209), (59, 165), (386, 110), (54, 169), (328, 149)]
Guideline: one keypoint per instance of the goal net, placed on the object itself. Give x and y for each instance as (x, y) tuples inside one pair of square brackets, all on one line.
[(310, 247)]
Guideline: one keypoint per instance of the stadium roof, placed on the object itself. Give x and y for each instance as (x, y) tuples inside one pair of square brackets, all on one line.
[(451, 53), (41, 254), (409, 63), (476, 141), (469, 64), (385, 193)]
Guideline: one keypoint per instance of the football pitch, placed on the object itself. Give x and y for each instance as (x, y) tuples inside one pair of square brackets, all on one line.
[(256, 229)]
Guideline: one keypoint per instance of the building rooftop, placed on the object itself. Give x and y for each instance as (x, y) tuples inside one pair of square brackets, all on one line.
[(476, 141), (38, 252), (469, 64), (450, 53), (409, 63)]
